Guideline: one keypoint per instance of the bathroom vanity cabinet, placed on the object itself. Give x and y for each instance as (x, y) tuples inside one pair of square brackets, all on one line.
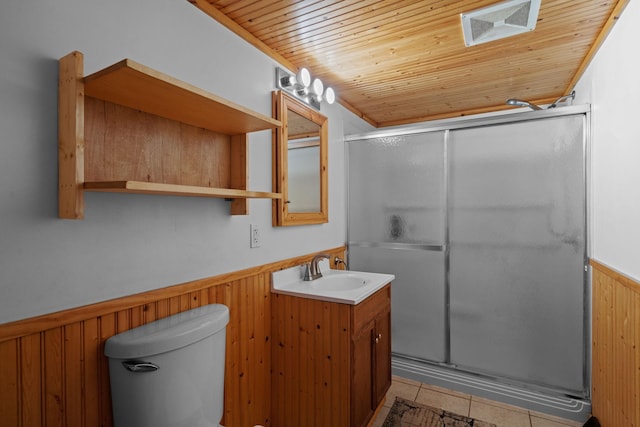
[(371, 355), (331, 361), (131, 129)]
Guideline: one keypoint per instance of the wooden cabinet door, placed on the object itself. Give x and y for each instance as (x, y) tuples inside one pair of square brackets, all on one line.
[(382, 356), (362, 378)]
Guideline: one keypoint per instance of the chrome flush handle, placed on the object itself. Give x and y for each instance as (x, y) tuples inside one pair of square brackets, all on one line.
[(139, 366)]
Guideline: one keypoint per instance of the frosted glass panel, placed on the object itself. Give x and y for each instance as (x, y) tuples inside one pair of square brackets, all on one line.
[(517, 251), (397, 199), (396, 189), (417, 297)]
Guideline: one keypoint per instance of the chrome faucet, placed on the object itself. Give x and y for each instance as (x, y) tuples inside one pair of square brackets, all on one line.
[(312, 271)]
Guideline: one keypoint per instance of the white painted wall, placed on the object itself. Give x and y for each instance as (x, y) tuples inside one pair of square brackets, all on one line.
[(611, 84), (133, 243), (129, 243)]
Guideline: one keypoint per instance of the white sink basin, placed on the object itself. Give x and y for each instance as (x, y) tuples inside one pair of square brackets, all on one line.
[(348, 287), (339, 282)]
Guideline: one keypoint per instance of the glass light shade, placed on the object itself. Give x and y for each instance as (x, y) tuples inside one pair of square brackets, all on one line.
[(317, 88), (330, 96), (303, 77)]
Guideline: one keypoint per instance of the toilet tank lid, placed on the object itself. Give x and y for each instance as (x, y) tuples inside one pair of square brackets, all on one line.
[(168, 334)]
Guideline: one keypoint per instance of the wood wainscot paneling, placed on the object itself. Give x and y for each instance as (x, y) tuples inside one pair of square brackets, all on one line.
[(615, 348), (53, 371)]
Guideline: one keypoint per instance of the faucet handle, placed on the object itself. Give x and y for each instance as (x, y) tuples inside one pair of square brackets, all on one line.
[(307, 272), (337, 261)]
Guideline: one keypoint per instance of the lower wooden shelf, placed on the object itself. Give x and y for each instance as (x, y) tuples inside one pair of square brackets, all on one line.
[(141, 187)]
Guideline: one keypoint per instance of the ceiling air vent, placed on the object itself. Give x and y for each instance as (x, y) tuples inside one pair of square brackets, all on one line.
[(499, 21)]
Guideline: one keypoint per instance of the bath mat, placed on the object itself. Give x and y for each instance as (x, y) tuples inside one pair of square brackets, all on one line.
[(406, 413)]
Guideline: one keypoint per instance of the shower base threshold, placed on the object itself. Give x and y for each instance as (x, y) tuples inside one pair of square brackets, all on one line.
[(558, 405)]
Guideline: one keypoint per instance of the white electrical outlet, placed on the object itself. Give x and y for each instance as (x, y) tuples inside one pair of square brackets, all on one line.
[(255, 236)]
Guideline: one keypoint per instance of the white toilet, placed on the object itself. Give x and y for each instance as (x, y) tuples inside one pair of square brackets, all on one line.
[(170, 373)]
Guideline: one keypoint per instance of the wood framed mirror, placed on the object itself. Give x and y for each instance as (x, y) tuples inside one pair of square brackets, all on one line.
[(299, 163)]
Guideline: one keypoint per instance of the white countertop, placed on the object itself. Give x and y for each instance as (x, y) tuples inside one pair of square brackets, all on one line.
[(290, 282)]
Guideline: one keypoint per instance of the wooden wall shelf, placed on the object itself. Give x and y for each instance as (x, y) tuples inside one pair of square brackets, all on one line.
[(129, 128), (136, 86)]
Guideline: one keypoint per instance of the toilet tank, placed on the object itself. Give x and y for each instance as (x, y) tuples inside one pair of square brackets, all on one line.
[(170, 373)]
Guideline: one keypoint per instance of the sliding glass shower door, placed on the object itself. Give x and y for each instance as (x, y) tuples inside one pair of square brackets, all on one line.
[(484, 226), (517, 251), (396, 224)]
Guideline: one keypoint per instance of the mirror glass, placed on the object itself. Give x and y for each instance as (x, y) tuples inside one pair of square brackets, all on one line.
[(300, 169), (303, 155)]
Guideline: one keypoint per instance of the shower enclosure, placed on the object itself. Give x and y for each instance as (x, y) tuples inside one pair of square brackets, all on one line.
[(483, 222)]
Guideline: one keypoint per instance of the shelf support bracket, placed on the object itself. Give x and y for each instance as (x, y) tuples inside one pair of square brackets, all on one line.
[(71, 136)]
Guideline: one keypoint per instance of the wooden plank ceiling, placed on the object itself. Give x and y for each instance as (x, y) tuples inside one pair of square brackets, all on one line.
[(403, 61)]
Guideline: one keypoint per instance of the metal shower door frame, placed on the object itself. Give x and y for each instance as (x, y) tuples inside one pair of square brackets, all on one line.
[(448, 125)]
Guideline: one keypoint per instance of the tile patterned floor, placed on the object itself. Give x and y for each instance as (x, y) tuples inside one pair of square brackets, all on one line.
[(501, 414)]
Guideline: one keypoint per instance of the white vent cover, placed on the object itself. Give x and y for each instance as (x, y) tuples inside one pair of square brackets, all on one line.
[(499, 21)]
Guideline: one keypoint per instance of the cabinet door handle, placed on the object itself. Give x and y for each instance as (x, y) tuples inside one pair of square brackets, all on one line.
[(378, 338)]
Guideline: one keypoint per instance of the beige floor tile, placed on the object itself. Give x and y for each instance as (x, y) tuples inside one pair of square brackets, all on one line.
[(498, 415), (501, 414), (499, 404), (448, 402), (382, 415), (405, 380), (446, 390), (401, 389), (543, 420)]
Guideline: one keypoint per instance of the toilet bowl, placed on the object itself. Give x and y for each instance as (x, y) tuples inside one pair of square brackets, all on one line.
[(170, 373)]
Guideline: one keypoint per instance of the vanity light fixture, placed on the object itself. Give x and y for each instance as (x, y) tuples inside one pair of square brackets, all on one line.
[(300, 86)]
